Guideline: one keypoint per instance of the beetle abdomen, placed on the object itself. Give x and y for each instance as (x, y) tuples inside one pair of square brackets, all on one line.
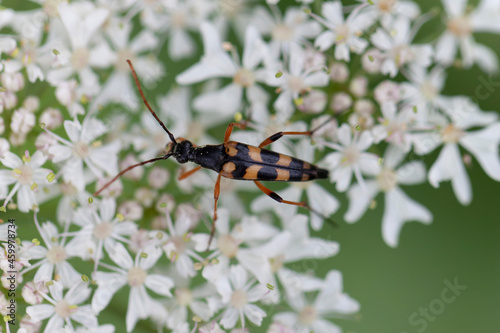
[(245, 162)]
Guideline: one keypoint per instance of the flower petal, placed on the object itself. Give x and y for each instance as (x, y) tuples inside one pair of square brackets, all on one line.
[(483, 144), (211, 101), (11, 160), (254, 313), (449, 166), (159, 284), (360, 199), (399, 209)]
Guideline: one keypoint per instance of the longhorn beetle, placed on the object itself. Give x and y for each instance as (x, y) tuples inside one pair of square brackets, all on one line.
[(235, 160)]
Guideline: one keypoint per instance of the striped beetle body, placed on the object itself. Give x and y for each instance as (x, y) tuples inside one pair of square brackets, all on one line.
[(245, 162), (235, 160)]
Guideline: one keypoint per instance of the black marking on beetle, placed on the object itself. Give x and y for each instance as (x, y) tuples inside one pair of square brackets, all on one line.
[(267, 173), (275, 196), (269, 157)]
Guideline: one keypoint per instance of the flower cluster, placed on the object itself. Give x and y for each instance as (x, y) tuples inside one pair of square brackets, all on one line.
[(355, 76)]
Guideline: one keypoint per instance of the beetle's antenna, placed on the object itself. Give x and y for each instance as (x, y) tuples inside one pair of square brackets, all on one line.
[(323, 216), (137, 83), (130, 168)]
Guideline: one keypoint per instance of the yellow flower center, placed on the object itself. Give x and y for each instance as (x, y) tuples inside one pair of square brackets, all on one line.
[(80, 58), (308, 315), (350, 155), (244, 78), (24, 174), (277, 262), (282, 32), (136, 276), (56, 254), (342, 32), (63, 309), (228, 246), (121, 60), (183, 296), (428, 90), (387, 180), (460, 26), (239, 299), (452, 134), (81, 149), (386, 6), (296, 84), (103, 230)]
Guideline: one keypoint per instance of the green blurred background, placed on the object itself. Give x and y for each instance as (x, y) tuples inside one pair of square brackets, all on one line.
[(393, 284)]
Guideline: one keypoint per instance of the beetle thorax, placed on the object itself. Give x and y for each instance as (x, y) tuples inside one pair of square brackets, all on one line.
[(181, 151)]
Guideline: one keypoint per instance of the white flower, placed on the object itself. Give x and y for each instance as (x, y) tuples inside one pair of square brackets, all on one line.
[(99, 231), (119, 86), (134, 273), (395, 126), (350, 157), (343, 33), (482, 144), (179, 20), (387, 10), (84, 148), (397, 48), (229, 244), (291, 29), (69, 93), (212, 327), (54, 258), (31, 54), (309, 317), (65, 308), (82, 21), (52, 118), (399, 208), (292, 244), (217, 63), (238, 294), (295, 82), (461, 24), (422, 91), (22, 121), (26, 174), (12, 80), (187, 299), (178, 245)]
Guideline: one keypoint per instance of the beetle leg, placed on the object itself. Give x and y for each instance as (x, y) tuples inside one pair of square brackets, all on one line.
[(229, 129), (185, 174), (279, 135), (275, 196), (216, 198)]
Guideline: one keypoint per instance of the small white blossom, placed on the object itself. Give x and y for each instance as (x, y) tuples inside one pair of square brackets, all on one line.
[(461, 25), (64, 308), (217, 63), (482, 144), (395, 43), (22, 121), (84, 147), (331, 300), (26, 174), (135, 274), (345, 34), (350, 157), (399, 208), (237, 296)]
